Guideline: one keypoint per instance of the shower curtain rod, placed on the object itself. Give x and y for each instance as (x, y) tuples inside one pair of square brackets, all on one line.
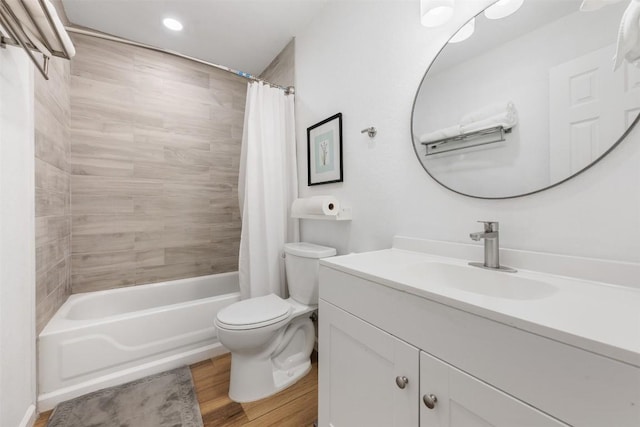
[(290, 90)]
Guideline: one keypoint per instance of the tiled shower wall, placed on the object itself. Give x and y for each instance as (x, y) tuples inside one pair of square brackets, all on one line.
[(155, 148), (52, 202), (281, 71)]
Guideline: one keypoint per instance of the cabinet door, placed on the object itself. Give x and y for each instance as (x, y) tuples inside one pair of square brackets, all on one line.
[(359, 364), (465, 401)]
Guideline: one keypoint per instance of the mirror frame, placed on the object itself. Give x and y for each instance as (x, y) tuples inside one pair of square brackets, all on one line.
[(413, 137)]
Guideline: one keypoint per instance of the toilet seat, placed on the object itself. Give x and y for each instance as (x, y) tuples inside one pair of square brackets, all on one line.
[(254, 313)]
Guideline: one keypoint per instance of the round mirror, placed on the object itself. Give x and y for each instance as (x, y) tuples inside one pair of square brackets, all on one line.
[(516, 104)]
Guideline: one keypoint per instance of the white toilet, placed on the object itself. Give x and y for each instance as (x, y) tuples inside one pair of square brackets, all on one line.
[(271, 339)]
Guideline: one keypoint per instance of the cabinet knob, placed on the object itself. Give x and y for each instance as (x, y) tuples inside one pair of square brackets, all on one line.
[(429, 400), (402, 382)]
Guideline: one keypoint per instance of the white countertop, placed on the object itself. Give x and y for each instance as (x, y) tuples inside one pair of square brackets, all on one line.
[(594, 316)]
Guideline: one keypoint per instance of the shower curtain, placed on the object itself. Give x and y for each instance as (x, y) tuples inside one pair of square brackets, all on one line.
[(267, 185)]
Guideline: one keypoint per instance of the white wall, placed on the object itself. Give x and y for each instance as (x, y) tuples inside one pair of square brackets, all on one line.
[(17, 253), (366, 60)]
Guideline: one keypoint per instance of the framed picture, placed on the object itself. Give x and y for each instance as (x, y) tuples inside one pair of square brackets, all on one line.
[(324, 151)]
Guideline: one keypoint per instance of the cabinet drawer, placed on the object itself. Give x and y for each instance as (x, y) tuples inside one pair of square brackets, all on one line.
[(572, 385)]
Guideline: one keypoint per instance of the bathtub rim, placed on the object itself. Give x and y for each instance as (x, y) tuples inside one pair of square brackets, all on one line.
[(59, 323)]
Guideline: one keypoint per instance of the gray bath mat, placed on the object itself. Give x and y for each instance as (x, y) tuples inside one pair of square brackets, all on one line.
[(167, 399)]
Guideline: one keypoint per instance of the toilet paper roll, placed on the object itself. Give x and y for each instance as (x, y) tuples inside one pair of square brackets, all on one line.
[(316, 205)]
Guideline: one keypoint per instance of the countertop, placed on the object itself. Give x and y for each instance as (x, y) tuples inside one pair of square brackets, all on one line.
[(594, 316)]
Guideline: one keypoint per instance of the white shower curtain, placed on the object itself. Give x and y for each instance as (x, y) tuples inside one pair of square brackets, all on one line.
[(267, 185)]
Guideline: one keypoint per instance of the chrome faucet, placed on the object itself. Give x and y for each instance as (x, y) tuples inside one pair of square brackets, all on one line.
[(491, 238)]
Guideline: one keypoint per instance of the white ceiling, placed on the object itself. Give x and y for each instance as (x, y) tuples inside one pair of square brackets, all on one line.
[(242, 34)]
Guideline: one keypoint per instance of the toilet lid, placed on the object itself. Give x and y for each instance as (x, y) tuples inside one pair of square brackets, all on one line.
[(255, 312)]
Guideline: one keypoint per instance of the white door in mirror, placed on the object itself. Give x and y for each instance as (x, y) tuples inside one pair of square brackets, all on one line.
[(585, 109)]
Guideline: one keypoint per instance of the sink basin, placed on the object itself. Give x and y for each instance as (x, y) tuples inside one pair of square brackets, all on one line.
[(478, 281)]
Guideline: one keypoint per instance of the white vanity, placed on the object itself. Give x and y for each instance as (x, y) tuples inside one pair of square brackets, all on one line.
[(408, 338)]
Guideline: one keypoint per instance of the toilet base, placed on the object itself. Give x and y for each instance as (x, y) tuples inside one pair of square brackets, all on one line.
[(254, 377), (259, 388)]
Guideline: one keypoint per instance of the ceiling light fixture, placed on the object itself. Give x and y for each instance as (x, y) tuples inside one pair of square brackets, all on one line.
[(434, 13), (465, 32), (503, 8), (172, 24)]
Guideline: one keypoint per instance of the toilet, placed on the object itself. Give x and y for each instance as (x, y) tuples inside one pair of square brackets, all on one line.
[(270, 338)]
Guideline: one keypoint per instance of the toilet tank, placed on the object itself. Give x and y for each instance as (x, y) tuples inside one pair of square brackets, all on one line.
[(302, 261)]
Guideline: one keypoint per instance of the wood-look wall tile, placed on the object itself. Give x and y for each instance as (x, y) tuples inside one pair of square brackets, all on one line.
[(89, 204), (205, 190), (148, 151), (150, 258), (188, 142), (99, 130), (89, 68), (46, 308), (171, 132), (98, 281), (183, 235), (103, 242), (168, 67), (149, 239), (95, 262), (281, 70), (49, 152), (57, 275), (103, 144), (196, 127), (52, 198), (99, 166), (102, 60), (100, 101), (176, 219), (51, 254), (226, 234), (49, 281), (186, 254), (184, 91), (52, 228), (49, 203), (52, 121), (166, 104), (153, 170), (225, 264), (114, 223), (172, 271), (51, 178), (114, 186), (176, 156), (184, 204)]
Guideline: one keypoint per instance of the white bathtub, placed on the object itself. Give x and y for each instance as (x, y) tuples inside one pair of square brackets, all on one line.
[(100, 339)]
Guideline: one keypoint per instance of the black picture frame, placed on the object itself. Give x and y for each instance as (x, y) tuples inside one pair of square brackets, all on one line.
[(324, 151)]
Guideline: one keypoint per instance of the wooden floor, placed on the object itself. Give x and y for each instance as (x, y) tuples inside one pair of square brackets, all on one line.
[(296, 406)]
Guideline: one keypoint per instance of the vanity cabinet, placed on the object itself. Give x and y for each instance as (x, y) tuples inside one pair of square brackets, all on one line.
[(482, 372), (358, 386), (371, 378)]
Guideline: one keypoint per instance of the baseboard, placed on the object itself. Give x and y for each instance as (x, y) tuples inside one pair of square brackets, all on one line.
[(29, 418), (47, 401)]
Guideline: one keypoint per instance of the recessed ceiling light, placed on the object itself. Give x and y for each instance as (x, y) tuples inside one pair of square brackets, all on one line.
[(172, 24), (503, 8), (434, 13), (464, 32)]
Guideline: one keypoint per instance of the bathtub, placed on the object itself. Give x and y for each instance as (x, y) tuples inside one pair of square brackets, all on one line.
[(100, 339)]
